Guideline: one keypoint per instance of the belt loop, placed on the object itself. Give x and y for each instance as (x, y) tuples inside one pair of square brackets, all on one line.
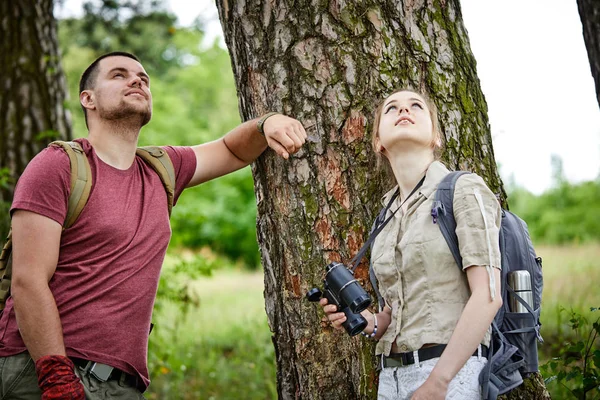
[(123, 379), (87, 367), (479, 351), (416, 358)]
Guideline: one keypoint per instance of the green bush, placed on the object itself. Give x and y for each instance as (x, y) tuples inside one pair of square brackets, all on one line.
[(576, 369), (568, 213)]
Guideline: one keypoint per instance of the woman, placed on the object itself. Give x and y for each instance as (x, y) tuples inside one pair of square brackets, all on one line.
[(434, 330)]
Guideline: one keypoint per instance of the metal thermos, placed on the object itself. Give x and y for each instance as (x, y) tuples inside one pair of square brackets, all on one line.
[(520, 281)]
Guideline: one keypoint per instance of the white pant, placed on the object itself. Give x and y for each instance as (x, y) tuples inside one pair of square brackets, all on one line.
[(401, 382)]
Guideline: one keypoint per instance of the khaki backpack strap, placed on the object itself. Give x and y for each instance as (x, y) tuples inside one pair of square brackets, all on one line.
[(5, 270), (81, 180), (81, 184), (161, 163)]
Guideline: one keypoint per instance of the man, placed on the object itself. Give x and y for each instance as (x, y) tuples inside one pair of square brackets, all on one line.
[(82, 298)]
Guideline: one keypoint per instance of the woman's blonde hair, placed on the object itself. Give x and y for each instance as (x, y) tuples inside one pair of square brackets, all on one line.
[(436, 140)]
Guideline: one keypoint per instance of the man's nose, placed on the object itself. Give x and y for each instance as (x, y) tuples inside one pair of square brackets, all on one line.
[(136, 81)]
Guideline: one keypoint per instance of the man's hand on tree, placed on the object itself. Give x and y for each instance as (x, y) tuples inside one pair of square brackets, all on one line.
[(285, 135)]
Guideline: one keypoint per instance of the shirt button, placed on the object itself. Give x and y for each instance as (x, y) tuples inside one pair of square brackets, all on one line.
[(403, 348)]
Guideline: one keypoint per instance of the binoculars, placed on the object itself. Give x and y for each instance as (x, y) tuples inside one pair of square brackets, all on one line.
[(343, 290)]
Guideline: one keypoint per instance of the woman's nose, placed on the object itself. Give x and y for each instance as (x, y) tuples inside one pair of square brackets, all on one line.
[(401, 109)]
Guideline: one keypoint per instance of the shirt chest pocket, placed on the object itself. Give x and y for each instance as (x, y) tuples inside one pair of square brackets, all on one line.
[(384, 259), (420, 227)]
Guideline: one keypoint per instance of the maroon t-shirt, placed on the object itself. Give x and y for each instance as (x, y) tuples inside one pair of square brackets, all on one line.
[(109, 263)]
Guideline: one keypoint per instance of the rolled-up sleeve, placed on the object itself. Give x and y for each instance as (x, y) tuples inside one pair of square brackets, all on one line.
[(477, 222)]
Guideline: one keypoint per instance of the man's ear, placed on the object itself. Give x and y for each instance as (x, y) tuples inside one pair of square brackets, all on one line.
[(86, 98)]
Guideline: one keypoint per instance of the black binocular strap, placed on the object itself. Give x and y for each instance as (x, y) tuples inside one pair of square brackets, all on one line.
[(358, 257)]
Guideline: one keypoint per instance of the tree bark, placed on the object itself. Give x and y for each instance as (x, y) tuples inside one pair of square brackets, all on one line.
[(589, 12), (328, 64), (33, 87)]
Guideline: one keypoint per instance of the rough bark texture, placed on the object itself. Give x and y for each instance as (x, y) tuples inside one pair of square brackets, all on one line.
[(32, 87), (589, 11), (329, 63)]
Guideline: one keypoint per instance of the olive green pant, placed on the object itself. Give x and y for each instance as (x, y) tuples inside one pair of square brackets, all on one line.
[(18, 381)]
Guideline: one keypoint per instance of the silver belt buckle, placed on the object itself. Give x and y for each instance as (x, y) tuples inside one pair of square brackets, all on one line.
[(101, 371)]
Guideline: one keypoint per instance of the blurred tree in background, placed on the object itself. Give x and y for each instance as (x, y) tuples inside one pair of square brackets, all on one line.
[(32, 109)]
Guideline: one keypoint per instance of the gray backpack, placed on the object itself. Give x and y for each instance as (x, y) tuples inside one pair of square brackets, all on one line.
[(516, 328)]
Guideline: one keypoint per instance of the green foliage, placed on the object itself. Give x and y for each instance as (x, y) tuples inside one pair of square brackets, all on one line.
[(141, 27), (222, 215), (577, 368), (175, 293), (176, 276), (4, 220), (220, 350), (47, 136), (568, 213), (6, 180), (571, 276)]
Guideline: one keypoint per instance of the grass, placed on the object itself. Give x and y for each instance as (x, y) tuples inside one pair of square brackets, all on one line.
[(571, 280), (223, 349)]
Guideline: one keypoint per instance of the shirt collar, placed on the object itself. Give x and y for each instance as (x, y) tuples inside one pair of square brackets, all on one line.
[(435, 173)]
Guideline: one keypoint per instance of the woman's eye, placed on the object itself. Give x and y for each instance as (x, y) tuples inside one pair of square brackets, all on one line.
[(389, 108), (418, 105)]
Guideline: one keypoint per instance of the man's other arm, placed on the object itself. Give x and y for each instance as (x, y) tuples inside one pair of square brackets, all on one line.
[(36, 243)]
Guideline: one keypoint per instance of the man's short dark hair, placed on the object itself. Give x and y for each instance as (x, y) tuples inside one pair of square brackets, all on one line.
[(88, 79)]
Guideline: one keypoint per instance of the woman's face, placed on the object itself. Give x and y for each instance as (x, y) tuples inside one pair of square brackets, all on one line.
[(405, 123)]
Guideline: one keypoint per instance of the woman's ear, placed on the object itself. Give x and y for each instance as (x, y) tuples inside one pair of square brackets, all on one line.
[(378, 147), (436, 142)]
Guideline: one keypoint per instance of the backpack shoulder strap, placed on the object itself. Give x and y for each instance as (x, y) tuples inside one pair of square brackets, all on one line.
[(443, 212), (81, 180), (160, 162), (380, 300), (81, 184)]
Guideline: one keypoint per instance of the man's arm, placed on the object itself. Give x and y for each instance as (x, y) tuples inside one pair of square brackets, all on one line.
[(36, 243), (244, 144)]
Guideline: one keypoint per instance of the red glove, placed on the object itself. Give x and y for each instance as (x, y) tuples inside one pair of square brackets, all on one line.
[(57, 379)]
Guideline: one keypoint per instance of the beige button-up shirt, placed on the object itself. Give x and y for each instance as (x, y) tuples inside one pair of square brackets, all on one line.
[(416, 273)]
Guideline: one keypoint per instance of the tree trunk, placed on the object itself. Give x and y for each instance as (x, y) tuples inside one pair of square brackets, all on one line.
[(33, 88), (328, 63), (589, 11)]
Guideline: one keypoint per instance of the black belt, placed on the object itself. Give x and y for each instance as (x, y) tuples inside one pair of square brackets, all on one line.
[(426, 353), (115, 373)]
